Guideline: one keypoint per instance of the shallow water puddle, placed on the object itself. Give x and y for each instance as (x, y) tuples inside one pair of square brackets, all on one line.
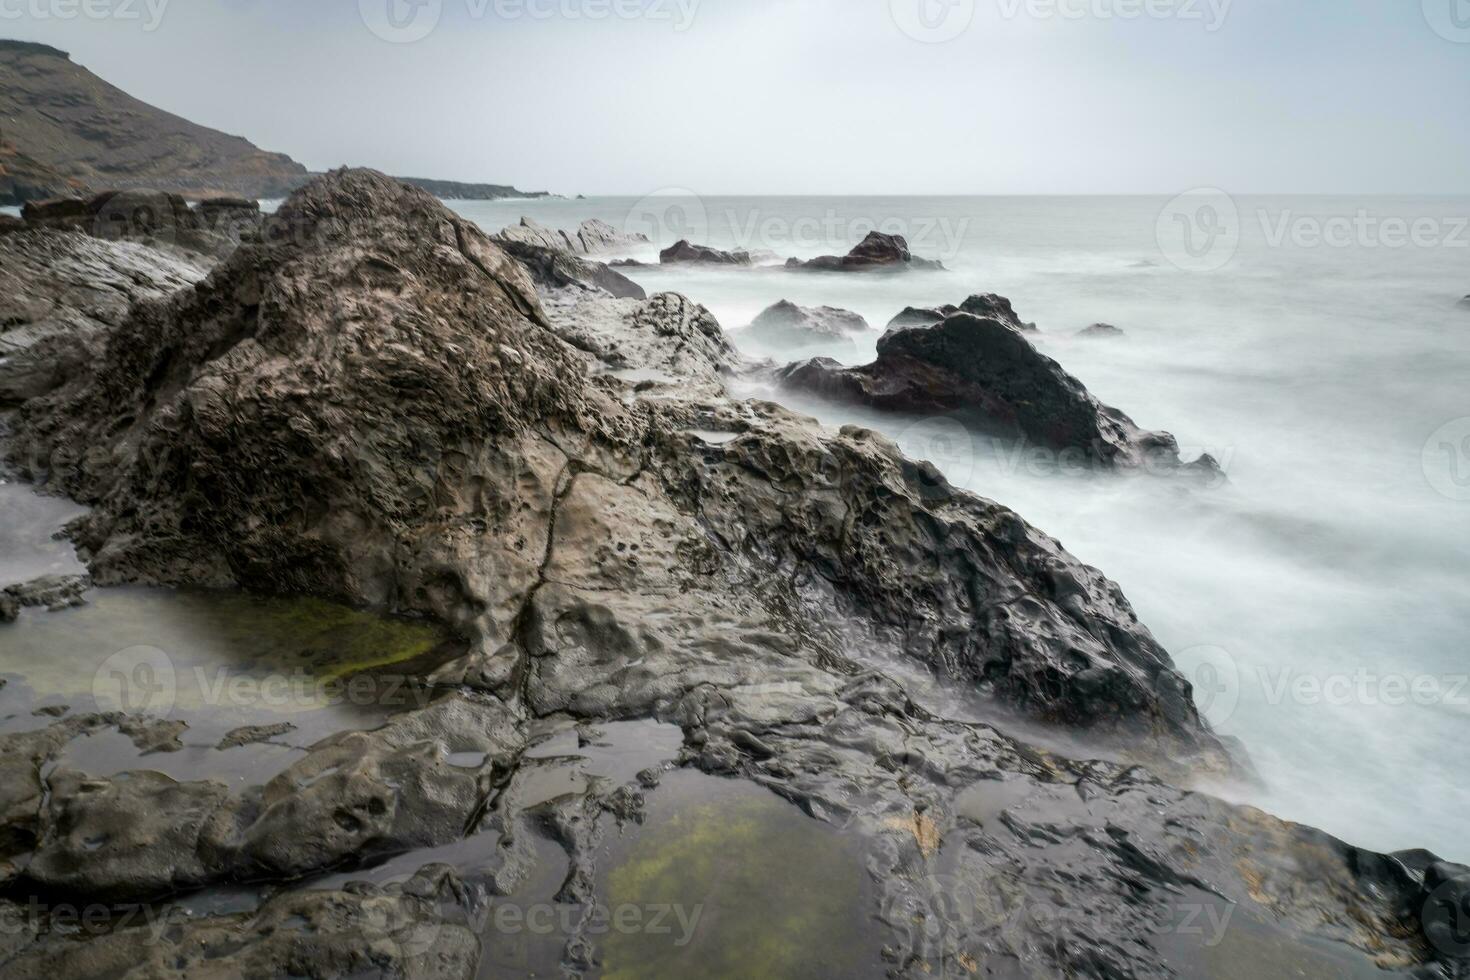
[(219, 662), (725, 879), (28, 525)]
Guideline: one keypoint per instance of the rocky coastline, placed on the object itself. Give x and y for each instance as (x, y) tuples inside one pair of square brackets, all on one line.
[(365, 398)]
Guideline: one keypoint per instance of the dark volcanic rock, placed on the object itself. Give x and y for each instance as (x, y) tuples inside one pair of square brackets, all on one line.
[(389, 414), (985, 367), (876, 253), (682, 252), (921, 316), (1100, 330), (994, 307)]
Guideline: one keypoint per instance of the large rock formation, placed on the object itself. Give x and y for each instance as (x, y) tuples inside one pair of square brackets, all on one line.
[(985, 369), (684, 252), (876, 253), (381, 408), (95, 135)]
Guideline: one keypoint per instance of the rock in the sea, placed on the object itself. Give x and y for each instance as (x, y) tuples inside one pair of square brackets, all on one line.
[(1100, 330), (683, 252), (787, 328), (1465, 302), (47, 592), (876, 253), (994, 307), (985, 368), (591, 237), (921, 316)]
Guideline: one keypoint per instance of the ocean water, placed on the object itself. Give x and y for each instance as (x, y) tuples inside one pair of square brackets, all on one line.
[(1320, 598)]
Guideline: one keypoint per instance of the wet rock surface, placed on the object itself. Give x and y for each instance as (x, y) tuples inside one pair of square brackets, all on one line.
[(396, 415), (985, 368), (876, 253), (686, 253)]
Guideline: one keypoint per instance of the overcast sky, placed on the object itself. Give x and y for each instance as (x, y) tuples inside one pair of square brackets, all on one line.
[(813, 96)]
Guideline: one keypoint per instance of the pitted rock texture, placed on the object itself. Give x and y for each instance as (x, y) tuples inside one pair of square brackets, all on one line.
[(382, 409)]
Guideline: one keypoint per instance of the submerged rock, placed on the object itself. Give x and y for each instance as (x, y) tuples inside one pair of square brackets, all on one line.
[(683, 252), (787, 327), (876, 253), (1100, 330), (985, 368)]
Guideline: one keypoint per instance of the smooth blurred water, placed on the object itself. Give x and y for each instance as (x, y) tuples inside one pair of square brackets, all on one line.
[(1321, 599)]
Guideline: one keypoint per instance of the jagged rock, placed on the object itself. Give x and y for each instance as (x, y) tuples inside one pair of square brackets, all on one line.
[(60, 292), (10, 223), (986, 368), (787, 327), (683, 252), (591, 236), (1100, 330), (994, 307), (876, 253), (556, 269), (921, 316), (389, 414), (981, 304)]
